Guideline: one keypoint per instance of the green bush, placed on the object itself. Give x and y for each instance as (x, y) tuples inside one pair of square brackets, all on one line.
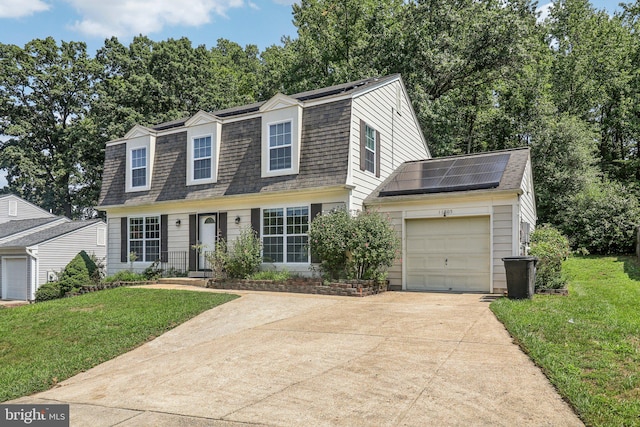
[(125, 276), (363, 246), (602, 219), (243, 257), (329, 239), (217, 259), (49, 291), (551, 248), (79, 272), (279, 275)]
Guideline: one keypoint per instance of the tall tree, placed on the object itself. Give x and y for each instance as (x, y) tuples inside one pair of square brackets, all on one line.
[(45, 94)]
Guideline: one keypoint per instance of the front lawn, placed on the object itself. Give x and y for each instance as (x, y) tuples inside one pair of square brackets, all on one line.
[(587, 343), (42, 344)]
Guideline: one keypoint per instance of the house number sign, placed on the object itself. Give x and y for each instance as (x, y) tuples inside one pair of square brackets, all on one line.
[(446, 212)]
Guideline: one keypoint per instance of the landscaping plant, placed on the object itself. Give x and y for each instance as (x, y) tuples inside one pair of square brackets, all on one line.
[(80, 271), (243, 256), (361, 246), (551, 248)]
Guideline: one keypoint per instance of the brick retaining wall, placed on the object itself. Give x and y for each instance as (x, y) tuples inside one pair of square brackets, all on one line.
[(351, 288)]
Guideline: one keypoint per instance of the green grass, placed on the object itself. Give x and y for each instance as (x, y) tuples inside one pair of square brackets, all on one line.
[(587, 343), (42, 344)]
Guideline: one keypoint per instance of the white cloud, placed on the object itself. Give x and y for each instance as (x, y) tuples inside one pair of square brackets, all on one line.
[(285, 2), (131, 17), (543, 12), (21, 8)]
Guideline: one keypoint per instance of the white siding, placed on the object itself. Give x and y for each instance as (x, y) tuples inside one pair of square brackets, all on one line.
[(527, 199), (400, 136), (55, 254), (178, 235), (233, 229), (502, 243), (113, 246), (395, 271), (25, 210)]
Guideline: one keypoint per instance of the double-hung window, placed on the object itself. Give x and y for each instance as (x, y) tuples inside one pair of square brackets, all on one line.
[(285, 234), (202, 158), (139, 167), (370, 149), (280, 146), (144, 238)]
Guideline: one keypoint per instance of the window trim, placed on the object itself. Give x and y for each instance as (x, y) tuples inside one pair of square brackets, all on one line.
[(270, 148), (363, 149), (367, 149), (284, 234), (144, 238), (132, 168), (193, 159), (146, 142)]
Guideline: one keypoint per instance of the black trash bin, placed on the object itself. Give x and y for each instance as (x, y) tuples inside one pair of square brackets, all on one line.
[(521, 276)]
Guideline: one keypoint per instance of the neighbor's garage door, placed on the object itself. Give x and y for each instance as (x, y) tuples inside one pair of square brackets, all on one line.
[(448, 254), (14, 274)]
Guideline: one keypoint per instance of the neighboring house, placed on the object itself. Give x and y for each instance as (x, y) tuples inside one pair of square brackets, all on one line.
[(271, 166), (13, 207), (458, 217), (35, 245)]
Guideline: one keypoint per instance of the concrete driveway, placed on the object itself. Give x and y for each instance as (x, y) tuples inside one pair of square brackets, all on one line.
[(396, 359)]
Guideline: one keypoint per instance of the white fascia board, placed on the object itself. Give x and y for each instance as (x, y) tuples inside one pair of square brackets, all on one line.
[(279, 101)]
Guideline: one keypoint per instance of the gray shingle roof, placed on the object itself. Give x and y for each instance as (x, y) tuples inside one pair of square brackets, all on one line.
[(20, 225), (48, 234), (323, 161), (511, 178)]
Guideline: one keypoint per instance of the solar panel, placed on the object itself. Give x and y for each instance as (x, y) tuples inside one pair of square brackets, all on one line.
[(439, 176)]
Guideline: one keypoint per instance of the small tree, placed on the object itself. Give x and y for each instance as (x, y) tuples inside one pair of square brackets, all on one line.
[(551, 248)]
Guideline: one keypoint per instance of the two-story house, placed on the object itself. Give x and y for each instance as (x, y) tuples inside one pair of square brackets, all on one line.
[(273, 166)]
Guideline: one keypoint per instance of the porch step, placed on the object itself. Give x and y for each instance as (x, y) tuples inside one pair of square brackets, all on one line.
[(188, 281)]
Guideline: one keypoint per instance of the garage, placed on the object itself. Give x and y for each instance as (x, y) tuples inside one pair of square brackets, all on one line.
[(14, 272), (458, 216), (448, 254)]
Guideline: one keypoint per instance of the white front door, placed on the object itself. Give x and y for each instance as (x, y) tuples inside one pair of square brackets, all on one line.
[(14, 278), (207, 238)]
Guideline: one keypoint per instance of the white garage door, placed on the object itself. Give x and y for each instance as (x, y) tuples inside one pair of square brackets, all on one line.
[(14, 278), (448, 254)]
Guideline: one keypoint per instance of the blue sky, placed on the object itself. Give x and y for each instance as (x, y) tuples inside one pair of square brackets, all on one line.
[(259, 22)]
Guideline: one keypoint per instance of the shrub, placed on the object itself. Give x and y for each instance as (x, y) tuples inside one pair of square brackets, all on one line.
[(125, 276), (373, 247), (329, 238), (358, 247), (602, 219), (279, 275), (217, 259), (49, 291), (551, 248), (77, 273), (243, 257)]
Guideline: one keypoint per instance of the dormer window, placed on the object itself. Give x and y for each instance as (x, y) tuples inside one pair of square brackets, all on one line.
[(140, 155), (281, 136), (202, 158), (280, 146), (204, 132), (139, 167)]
